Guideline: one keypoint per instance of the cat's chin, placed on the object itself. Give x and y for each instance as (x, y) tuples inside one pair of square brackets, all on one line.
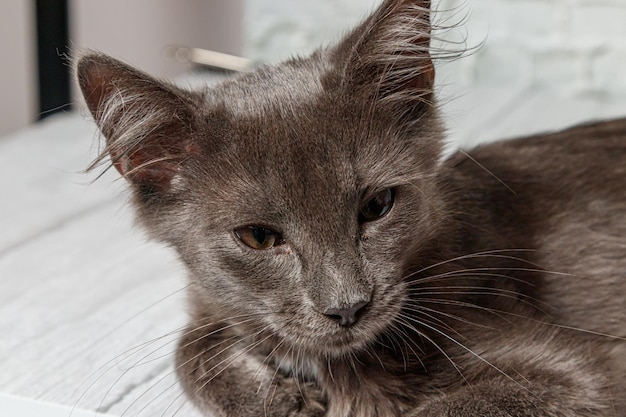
[(337, 342), (332, 346)]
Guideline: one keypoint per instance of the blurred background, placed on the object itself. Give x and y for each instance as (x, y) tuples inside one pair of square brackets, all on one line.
[(43, 32), (573, 47)]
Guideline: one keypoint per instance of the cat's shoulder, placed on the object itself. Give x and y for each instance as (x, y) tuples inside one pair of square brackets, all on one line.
[(600, 143), (597, 134)]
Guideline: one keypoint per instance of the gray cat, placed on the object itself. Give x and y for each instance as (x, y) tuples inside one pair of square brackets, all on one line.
[(338, 268)]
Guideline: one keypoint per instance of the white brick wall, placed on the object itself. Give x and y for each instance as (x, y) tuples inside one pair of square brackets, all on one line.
[(572, 46), (278, 29)]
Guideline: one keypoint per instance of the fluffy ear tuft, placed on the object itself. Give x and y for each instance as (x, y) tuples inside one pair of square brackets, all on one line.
[(388, 55), (146, 123)]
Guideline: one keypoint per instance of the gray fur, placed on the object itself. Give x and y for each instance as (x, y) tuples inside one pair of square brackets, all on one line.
[(495, 288)]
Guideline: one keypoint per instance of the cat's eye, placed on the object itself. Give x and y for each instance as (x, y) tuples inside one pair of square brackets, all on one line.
[(377, 207), (259, 238)]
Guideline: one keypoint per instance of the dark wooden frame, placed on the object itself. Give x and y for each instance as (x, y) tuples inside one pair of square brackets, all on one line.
[(54, 70)]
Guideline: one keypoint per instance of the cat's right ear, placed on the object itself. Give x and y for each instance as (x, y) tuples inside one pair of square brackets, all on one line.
[(148, 124)]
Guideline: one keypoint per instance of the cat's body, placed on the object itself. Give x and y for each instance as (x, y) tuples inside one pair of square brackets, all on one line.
[(338, 268), (526, 313)]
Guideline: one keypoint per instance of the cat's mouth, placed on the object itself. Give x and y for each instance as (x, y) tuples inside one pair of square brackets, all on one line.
[(329, 338), (318, 332), (332, 344)]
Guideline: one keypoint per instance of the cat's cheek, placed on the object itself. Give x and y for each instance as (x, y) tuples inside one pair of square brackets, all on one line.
[(388, 303), (385, 269), (233, 277), (395, 236)]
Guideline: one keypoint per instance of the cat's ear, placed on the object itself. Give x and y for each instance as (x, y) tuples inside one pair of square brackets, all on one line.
[(388, 56), (146, 123)]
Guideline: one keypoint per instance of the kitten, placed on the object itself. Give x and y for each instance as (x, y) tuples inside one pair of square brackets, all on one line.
[(338, 268)]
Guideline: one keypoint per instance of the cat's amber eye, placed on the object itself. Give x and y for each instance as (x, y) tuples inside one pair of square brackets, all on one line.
[(377, 207), (259, 238)]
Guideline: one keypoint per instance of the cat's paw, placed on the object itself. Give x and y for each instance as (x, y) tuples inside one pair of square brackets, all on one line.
[(296, 399)]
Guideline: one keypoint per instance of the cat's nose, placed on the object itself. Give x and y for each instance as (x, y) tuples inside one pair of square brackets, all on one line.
[(346, 316)]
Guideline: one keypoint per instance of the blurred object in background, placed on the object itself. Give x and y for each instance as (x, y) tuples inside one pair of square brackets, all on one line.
[(18, 80), (53, 73), (137, 31), (211, 60)]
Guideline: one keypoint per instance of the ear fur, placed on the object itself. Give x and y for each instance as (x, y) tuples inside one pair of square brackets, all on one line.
[(388, 55), (146, 123)]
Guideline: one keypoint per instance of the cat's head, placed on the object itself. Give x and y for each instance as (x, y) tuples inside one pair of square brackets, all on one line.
[(295, 194)]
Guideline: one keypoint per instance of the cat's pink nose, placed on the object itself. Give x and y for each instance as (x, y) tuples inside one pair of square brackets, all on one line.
[(346, 316)]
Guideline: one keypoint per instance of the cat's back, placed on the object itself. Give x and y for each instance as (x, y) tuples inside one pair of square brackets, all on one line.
[(582, 153), (561, 196)]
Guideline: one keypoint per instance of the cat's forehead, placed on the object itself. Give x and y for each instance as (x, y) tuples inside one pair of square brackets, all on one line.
[(272, 89), (282, 119), (292, 132)]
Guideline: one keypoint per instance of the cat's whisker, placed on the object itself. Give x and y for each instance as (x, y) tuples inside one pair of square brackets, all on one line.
[(495, 253), (124, 373), (269, 396), (374, 355), (300, 358), (166, 375), (408, 341), (107, 366), (265, 364), (416, 287), (229, 324), (586, 331), (501, 314), (464, 275), (405, 337), (407, 322), (521, 269), (102, 370), (237, 340), (496, 292), (480, 274), (470, 273), (487, 170), (473, 353), (469, 290), (575, 329), (446, 19), (351, 362), (232, 359), (427, 317), (188, 331), (329, 368), (410, 344), (179, 366), (267, 404), (389, 334), (421, 309)]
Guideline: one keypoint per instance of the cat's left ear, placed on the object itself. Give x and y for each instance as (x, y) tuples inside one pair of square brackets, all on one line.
[(388, 56), (148, 124)]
